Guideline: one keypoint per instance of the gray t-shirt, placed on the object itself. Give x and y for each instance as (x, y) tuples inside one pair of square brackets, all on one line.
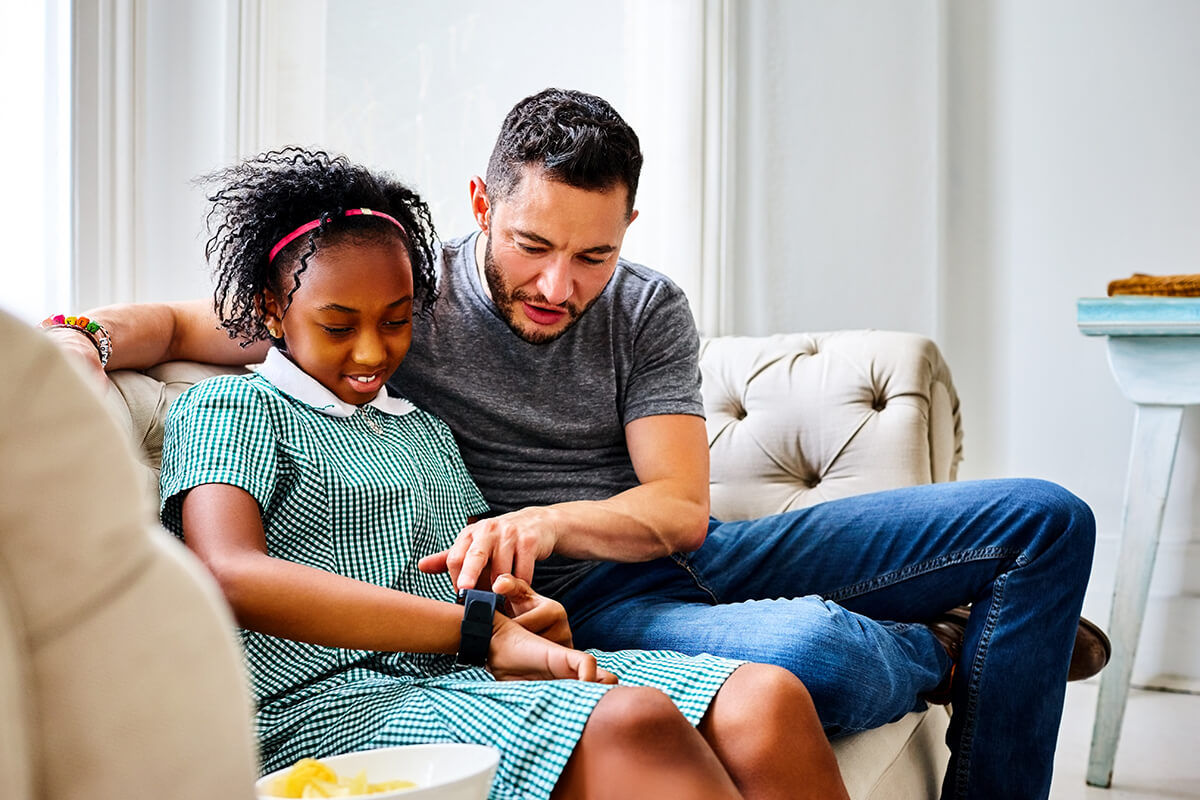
[(544, 423)]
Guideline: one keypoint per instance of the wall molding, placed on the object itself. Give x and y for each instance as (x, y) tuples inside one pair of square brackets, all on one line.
[(686, 121), (250, 45), (278, 93), (717, 172), (106, 117)]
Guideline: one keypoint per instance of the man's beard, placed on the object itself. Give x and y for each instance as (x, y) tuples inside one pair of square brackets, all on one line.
[(507, 299)]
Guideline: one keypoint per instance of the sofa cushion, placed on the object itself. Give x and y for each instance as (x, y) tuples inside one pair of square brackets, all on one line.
[(140, 401), (904, 759)]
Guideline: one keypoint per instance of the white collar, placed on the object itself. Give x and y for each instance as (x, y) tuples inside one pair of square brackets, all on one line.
[(288, 378)]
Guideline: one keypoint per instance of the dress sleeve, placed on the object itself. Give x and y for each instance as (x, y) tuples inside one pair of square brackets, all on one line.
[(218, 431)]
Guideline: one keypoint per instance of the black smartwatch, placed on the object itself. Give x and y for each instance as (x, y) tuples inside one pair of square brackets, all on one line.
[(479, 608)]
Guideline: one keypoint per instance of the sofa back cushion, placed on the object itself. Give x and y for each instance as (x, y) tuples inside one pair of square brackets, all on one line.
[(792, 419), (797, 419)]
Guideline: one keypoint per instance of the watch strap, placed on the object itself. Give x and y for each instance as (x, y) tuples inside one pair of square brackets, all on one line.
[(479, 610)]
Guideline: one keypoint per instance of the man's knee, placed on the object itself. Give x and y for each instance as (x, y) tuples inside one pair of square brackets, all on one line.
[(1068, 519), (823, 648)]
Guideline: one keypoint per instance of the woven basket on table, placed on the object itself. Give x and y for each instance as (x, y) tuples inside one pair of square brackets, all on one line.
[(1168, 285)]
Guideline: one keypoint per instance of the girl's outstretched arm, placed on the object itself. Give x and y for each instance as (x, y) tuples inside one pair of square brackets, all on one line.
[(223, 527)]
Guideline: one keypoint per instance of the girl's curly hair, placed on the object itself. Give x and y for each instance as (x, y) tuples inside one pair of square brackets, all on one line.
[(264, 198)]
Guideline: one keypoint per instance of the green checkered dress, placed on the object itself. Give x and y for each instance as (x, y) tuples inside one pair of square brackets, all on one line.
[(366, 495)]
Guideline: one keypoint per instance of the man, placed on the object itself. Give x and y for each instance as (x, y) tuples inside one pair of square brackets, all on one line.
[(570, 379)]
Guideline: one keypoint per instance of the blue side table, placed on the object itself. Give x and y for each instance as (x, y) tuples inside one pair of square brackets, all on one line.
[(1154, 353)]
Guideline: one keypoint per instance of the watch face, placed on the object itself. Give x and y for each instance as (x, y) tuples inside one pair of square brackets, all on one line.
[(491, 598)]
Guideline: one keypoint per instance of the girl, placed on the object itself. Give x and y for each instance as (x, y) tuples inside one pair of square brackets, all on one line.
[(311, 493)]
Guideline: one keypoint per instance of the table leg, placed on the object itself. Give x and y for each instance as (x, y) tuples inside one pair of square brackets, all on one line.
[(1151, 460)]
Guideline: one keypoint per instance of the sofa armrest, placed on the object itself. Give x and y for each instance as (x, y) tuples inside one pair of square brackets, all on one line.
[(797, 419), (120, 674), (17, 719)]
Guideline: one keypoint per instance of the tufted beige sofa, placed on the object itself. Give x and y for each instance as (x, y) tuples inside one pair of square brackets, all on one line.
[(792, 420), (796, 419)]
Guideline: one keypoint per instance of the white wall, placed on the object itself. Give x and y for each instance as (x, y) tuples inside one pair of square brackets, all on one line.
[(1073, 138), (836, 166), (187, 127), (421, 88), (968, 170), (962, 169)]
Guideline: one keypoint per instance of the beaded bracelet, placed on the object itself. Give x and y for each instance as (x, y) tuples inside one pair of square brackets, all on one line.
[(94, 331)]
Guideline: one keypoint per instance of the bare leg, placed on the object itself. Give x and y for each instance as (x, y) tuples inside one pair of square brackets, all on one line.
[(638, 746), (763, 727)]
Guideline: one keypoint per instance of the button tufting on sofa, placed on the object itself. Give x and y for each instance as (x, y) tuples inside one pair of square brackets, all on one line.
[(817, 433)]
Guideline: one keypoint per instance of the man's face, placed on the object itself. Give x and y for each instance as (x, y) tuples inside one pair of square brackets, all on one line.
[(550, 251)]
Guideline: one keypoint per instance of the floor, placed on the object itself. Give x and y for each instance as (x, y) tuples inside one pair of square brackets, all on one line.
[(1158, 755)]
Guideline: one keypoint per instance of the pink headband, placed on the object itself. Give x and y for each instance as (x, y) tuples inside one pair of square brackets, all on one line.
[(316, 223)]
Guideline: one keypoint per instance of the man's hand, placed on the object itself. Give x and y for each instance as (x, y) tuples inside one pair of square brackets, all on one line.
[(80, 351), (533, 612), (510, 543), (518, 655)]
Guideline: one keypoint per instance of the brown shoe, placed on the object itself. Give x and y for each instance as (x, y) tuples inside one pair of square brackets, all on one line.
[(948, 629), (1091, 653), (1092, 649)]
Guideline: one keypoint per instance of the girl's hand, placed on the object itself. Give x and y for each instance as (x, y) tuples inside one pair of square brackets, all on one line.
[(518, 655), (534, 612), (80, 351)]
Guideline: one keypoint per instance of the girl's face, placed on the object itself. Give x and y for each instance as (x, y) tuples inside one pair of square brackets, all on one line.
[(349, 325)]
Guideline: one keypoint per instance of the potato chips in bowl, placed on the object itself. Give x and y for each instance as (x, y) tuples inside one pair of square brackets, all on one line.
[(414, 772)]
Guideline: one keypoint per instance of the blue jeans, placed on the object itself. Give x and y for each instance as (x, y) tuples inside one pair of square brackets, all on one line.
[(836, 593)]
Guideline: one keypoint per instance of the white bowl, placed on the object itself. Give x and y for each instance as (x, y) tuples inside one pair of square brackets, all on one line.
[(441, 771)]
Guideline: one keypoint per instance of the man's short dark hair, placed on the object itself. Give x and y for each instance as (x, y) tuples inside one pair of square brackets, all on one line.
[(576, 138)]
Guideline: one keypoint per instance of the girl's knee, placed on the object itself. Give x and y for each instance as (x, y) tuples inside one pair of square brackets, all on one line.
[(637, 744), (629, 714), (769, 717), (767, 695)]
